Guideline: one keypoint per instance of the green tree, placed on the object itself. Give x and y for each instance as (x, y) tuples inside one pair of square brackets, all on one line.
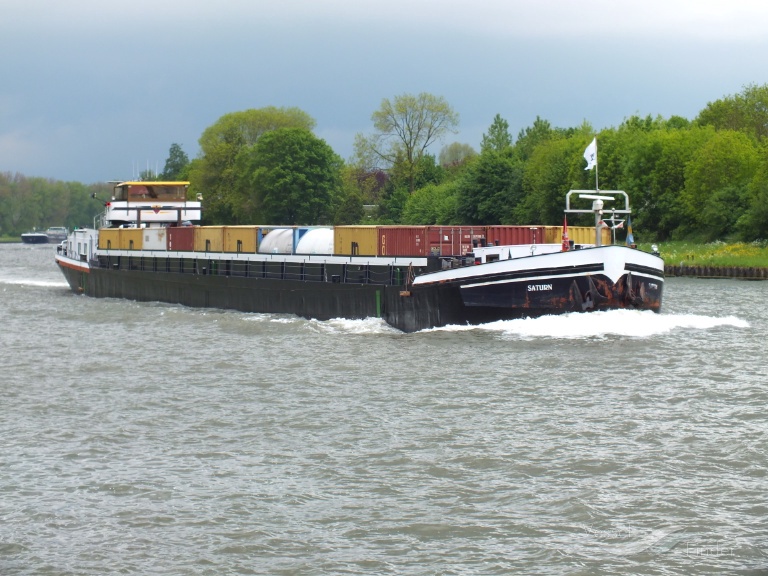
[(432, 204), (84, 206), (405, 127), (498, 137), (553, 169), (289, 176), (716, 183), (350, 209), (488, 193), (13, 198), (745, 112), (392, 203), (753, 224), (214, 174), (529, 138), (27, 203), (426, 171), (401, 177), (53, 198), (176, 165), (368, 184), (148, 175), (456, 154), (653, 172)]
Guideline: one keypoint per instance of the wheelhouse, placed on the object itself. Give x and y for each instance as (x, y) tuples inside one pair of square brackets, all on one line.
[(150, 191)]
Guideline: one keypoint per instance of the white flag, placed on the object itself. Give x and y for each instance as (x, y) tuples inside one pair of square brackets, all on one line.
[(590, 155)]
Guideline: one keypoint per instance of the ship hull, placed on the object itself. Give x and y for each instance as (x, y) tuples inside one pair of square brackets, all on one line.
[(34, 238), (598, 279)]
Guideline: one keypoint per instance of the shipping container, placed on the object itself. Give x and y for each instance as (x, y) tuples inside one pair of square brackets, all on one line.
[(209, 239), (131, 238), (509, 235), (455, 240), (356, 240), (277, 241), (155, 238), (606, 237), (403, 240), (316, 241), (577, 234), (241, 239), (181, 238), (109, 238)]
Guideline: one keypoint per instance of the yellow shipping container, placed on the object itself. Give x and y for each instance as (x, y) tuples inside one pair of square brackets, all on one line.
[(209, 239), (578, 234), (131, 238), (241, 239), (553, 234), (109, 238), (355, 240)]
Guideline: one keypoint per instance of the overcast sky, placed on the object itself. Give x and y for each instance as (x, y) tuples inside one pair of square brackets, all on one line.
[(94, 90)]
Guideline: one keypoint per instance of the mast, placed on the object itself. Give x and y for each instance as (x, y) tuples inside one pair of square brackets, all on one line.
[(597, 187), (590, 155)]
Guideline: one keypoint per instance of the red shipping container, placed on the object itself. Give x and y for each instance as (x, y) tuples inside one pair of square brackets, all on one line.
[(181, 238), (403, 241), (515, 235), (455, 240)]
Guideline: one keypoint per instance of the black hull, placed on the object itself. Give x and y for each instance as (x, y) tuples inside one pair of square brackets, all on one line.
[(34, 239), (408, 309)]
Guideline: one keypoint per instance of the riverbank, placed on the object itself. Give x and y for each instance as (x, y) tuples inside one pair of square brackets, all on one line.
[(714, 272), (714, 260)]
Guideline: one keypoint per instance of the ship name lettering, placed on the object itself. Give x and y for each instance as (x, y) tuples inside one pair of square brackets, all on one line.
[(539, 287)]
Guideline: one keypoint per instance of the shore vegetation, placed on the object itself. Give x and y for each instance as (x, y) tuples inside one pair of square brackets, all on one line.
[(718, 253)]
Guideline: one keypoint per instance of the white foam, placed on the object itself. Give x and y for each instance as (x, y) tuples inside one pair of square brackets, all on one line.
[(30, 282), (629, 323), (345, 326), (333, 326), (625, 323)]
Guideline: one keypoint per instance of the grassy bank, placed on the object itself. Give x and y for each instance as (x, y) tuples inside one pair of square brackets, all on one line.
[(754, 254)]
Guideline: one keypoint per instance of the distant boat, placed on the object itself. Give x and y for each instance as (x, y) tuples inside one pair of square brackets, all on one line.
[(34, 238), (54, 235)]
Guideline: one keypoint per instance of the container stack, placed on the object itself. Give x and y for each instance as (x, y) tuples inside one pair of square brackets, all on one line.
[(414, 241)]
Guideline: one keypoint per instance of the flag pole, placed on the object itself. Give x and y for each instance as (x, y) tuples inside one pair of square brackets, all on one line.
[(597, 188)]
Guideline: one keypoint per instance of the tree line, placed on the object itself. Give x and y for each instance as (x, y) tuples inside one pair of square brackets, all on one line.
[(33, 203), (701, 179)]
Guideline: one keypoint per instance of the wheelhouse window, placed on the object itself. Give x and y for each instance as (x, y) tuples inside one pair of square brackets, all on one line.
[(146, 191)]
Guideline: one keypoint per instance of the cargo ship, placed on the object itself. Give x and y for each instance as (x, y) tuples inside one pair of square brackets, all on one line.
[(146, 246), (56, 234), (53, 235), (34, 237)]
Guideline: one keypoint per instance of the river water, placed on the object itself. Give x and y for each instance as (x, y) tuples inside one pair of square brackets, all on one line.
[(145, 438)]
